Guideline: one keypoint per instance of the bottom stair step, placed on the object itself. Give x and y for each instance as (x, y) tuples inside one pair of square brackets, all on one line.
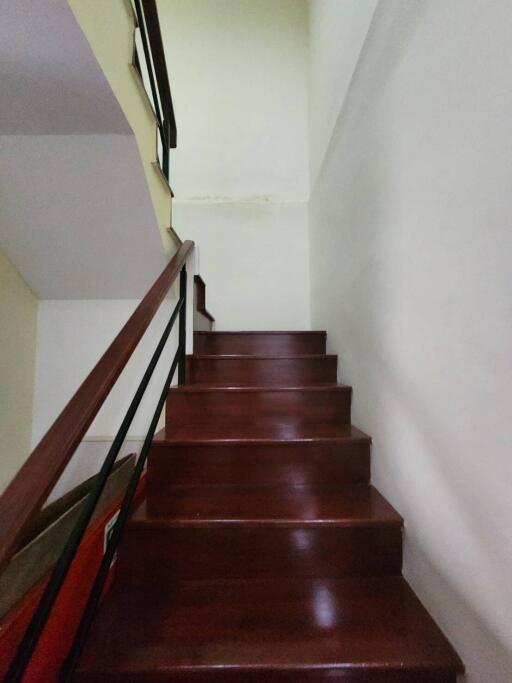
[(370, 630)]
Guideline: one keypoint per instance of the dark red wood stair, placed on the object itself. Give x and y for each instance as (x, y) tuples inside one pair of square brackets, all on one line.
[(262, 553)]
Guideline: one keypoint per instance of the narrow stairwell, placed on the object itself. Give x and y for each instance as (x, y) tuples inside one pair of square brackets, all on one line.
[(261, 552)]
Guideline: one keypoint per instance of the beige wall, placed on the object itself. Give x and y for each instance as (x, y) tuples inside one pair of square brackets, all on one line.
[(240, 172), (337, 31), (110, 34), (18, 316), (411, 262)]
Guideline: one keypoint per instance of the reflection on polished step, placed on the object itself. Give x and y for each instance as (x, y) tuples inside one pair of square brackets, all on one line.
[(258, 453), (268, 629), (261, 552)]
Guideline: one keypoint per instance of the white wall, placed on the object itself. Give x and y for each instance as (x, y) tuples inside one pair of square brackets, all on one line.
[(76, 216), (254, 258), (238, 71), (411, 261), (237, 74), (337, 31), (71, 337)]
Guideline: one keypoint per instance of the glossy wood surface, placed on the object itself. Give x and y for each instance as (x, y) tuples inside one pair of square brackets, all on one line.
[(259, 343), (286, 371), (309, 404), (25, 495), (255, 429), (243, 551), (262, 553), (234, 532), (247, 463), (249, 505), (364, 630)]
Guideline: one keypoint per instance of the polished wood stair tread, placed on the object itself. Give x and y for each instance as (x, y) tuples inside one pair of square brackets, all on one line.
[(265, 333), (258, 431), (193, 405), (208, 388), (286, 432), (265, 505), (261, 552), (259, 356), (265, 370), (220, 629), (264, 343)]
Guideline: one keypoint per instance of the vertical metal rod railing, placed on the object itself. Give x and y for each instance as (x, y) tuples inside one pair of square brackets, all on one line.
[(182, 369), (147, 58), (43, 611), (163, 109)]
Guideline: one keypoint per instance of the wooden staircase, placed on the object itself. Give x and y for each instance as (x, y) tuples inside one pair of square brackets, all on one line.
[(261, 552)]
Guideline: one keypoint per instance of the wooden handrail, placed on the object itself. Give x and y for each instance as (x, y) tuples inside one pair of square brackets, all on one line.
[(157, 52), (27, 492)]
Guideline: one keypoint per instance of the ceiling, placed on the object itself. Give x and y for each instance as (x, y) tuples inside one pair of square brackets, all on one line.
[(50, 80), (76, 216)]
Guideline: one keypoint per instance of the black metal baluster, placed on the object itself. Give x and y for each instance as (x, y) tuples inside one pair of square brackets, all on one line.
[(149, 63), (182, 371), (165, 147), (102, 574), (50, 594)]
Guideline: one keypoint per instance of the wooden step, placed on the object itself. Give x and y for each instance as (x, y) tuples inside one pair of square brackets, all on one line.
[(345, 459), (287, 371), (255, 430), (259, 343), (261, 532), (194, 404), (371, 630)]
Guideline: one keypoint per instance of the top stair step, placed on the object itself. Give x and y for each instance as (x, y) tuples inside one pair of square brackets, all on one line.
[(259, 343)]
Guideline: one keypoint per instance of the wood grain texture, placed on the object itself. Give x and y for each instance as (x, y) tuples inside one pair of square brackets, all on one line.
[(235, 532), (262, 553), (259, 343), (29, 489), (241, 551), (274, 404), (365, 630), (346, 460), (256, 430), (286, 371)]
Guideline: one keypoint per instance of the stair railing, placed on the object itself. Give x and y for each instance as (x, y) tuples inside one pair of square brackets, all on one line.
[(24, 497), (151, 65)]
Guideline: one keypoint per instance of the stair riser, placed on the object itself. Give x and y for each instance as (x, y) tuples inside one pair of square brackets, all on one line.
[(219, 344), (329, 406), (304, 675), (312, 464), (222, 552), (288, 372)]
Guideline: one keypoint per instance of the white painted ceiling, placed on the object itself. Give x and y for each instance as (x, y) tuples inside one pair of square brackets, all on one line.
[(50, 81), (76, 216)]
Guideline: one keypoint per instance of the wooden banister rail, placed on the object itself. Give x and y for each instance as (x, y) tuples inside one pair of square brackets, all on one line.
[(158, 55), (27, 492)]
